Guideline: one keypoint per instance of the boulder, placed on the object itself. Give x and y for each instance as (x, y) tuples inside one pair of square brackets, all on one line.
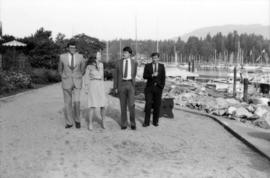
[(266, 117), (222, 103), (211, 104), (187, 96), (261, 101), (243, 113), (251, 108), (231, 110), (261, 123), (232, 102), (260, 111), (219, 112)]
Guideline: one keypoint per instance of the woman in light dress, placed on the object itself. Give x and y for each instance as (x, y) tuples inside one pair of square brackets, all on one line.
[(94, 85)]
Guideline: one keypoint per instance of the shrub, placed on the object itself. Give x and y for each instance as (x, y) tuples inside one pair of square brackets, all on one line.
[(108, 70), (44, 76), (39, 76), (11, 80), (53, 76), (108, 74)]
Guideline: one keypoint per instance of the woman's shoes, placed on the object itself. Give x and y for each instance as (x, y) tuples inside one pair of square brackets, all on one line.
[(90, 127)]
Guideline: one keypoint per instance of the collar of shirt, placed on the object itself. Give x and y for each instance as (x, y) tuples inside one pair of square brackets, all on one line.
[(153, 65), (126, 59)]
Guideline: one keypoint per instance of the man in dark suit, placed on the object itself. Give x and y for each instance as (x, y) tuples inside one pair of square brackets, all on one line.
[(124, 85), (155, 75)]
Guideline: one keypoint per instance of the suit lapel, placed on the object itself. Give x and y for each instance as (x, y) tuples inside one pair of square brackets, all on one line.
[(121, 68), (159, 67), (66, 61), (77, 60), (132, 68), (151, 68)]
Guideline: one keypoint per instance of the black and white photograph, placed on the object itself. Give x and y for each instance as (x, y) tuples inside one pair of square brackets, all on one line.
[(135, 89)]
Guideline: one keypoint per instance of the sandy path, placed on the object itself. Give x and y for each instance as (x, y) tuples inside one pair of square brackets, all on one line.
[(35, 144)]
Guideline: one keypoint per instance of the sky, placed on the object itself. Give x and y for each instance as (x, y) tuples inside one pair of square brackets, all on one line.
[(115, 19)]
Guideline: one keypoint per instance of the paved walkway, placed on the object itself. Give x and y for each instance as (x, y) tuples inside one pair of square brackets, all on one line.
[(256, 138), (34, 143)]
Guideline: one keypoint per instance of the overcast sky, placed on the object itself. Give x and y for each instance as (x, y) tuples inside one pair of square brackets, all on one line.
[(111, 19)]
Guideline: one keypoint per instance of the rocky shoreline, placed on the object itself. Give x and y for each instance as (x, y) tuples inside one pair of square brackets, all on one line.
[(208, 98)]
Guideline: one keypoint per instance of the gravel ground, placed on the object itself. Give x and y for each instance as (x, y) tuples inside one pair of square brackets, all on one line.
[(34, 144)]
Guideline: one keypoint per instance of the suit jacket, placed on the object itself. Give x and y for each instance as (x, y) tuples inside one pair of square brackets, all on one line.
[(118, 73), (70, 77), (159, 80)]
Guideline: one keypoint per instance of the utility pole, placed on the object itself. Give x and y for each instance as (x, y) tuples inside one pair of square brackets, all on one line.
[(1, 19), (157, 35), (1, 59), (157, 46), (136, 36), (175, 55), (120, 49), (107, 51)]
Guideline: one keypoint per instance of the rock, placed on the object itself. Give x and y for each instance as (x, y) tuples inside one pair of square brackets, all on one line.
[(232, 102), (261, 123), (262, 101), (187, 96), (266, 117), (260, 111), (178, 101), (243, 113), (254, 117), (210, 104), (220, 112), (231, 110), (203, 89), (251, 108), (222, 87), (222, 103)]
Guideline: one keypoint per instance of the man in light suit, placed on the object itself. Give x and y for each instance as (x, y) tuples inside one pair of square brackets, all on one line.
[(72, 68), (124, 85)]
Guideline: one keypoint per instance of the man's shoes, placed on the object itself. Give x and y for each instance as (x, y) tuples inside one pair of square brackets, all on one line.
[(78, 125), (133, 127), (68, 126), (123, 128), (145, 125), (155, 124)]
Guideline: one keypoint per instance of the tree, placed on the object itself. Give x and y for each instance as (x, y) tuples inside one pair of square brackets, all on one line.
[(61, 42), (87, 45), (41, 49), (192, 46)]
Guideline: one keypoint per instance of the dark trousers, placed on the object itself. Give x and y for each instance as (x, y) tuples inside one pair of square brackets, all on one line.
[(153, 100), (127, 99)]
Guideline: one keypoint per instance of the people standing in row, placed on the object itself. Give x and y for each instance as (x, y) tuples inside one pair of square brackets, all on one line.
[(73, 66)]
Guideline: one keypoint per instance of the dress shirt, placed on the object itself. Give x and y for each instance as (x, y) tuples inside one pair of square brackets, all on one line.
[(129, 77)]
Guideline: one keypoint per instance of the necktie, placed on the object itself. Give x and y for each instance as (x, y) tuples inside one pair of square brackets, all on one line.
[(155, 67), (72, 61), (126, 68)]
